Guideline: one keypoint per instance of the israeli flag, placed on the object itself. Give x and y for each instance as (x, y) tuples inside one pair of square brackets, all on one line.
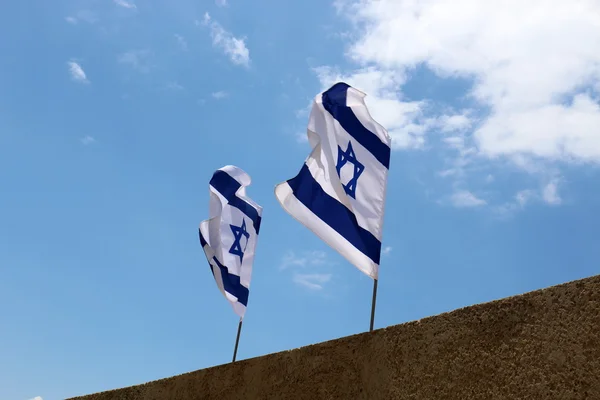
[(340, 191), (229, 236)]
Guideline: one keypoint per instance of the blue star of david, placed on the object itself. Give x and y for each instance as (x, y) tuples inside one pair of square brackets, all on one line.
[(348, 156), (236, 247)]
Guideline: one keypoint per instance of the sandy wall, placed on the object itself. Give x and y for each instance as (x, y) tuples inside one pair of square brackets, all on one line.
[(540, 345)]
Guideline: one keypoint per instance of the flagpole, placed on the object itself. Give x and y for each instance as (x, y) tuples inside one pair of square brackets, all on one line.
[(237, 340), (373, 301)]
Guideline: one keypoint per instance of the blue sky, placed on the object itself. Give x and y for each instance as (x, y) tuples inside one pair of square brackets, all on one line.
[(115, 114)]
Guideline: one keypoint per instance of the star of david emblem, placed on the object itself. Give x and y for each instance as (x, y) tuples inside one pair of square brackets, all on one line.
[(345, 157), (238, 233)]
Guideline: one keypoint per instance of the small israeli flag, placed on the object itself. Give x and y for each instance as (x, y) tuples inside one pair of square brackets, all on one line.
[(229, 236), (340, 191)]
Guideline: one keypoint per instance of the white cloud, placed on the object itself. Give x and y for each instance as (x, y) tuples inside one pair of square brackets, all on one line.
[(87, 140), (407, 122), (136, 59), (37, 398), (387, 250), (464, 152), (82, 16), (530, 63), (533, 68), (304, 266), (523, 197), (181, 42), (77, 73), (464, 199), (308, 258), (550, 193), (219, 95), (234, 47), (174, 86), (125, 4), (455, 122), (221, 3), (312, 281), (403, 120)]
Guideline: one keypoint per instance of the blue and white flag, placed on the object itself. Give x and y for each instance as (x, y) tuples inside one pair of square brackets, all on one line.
[(340, 191), (229, 236)]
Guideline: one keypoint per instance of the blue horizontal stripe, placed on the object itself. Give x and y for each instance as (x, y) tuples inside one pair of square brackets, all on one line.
[(334, 101), (231, 283), (228, 188), (308, 191)]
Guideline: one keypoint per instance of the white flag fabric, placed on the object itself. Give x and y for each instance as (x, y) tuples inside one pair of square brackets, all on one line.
[(340, 191), (229, 236)]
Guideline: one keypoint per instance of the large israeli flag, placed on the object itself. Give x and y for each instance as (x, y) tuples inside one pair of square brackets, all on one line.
[(229, 236), (340, 191)]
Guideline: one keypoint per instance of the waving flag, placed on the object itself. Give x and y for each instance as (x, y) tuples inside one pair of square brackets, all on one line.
[(340, 191), (229, 236)]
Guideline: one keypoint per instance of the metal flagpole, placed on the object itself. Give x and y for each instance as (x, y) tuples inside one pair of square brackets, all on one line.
[(373, 303), (237, 340)]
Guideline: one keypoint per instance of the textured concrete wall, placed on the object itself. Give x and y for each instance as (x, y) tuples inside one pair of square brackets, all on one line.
[(541, 345)]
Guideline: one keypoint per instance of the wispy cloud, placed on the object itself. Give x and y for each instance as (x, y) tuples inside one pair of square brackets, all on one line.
[(312, 281), (82, 16), (87, 140), (308, 258), (464, 153), (136, 59), (219, 95), (465, 199), (455, 122), (523, 197), (181, 42), (550, 193), (234, 47), (387, 250), (125, 4), (174, 86), (77, 73), (309, 268), (301, 137), (37, 398), (221, 3)]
